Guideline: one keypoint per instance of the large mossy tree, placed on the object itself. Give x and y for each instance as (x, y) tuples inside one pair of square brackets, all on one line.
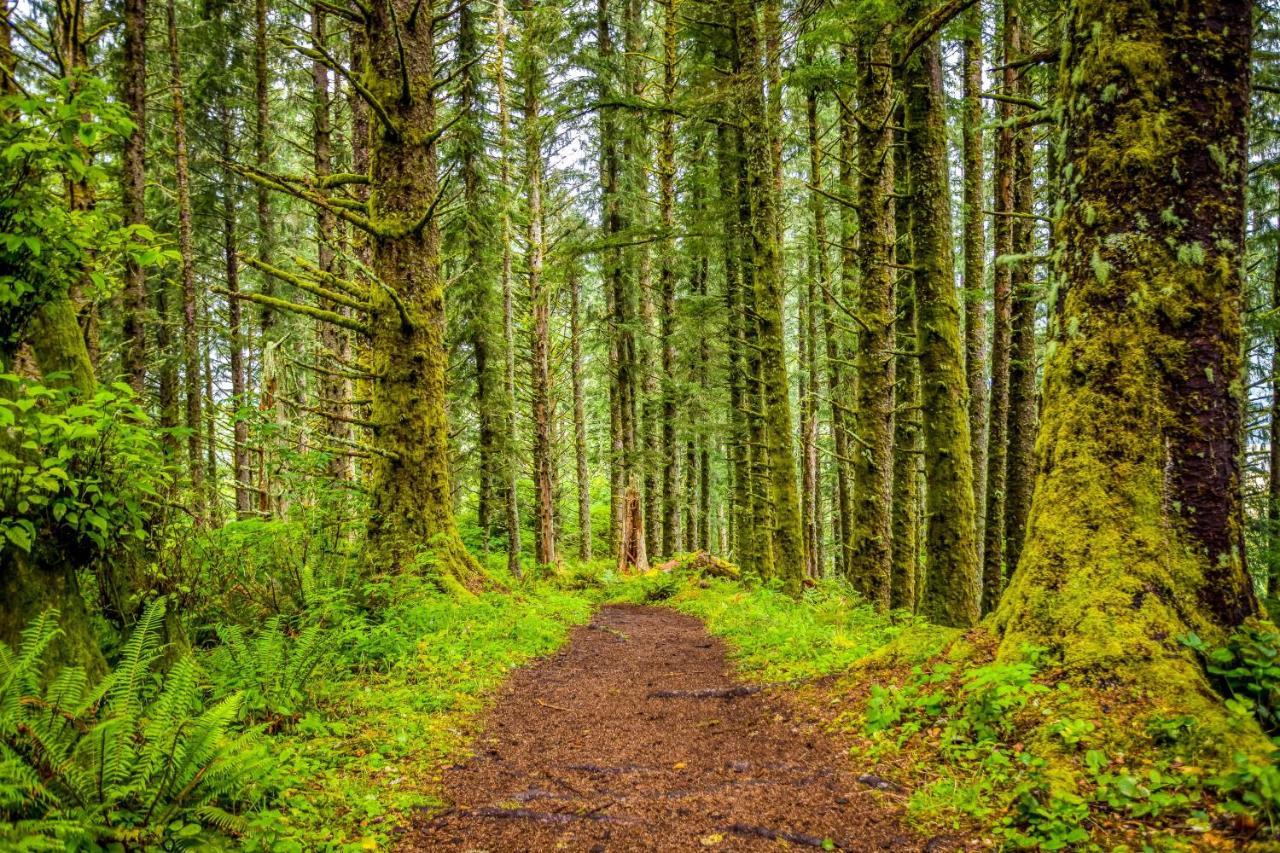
[(1135, 536)]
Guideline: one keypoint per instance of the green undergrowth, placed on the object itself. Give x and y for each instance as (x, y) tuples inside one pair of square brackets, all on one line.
[(773, 637), (1005, 751), (320, 730), (372, 748)]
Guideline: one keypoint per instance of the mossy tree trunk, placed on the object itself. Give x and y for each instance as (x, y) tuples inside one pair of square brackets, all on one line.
[(235, 332), (412, 510), (477, 281), (1135, 535), (1001, 334), (905, 587), (510, 462), (737, 447), (579, 413), (48, 576), (952, 588), (530, 71), (778, 485), (618, 293), (871, 528), (811, 464), (1023, 399), (975, 261), (667, 280), (1273, 479)]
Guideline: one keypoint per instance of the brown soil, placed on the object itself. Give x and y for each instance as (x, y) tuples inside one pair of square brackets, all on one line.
[(636, 736)]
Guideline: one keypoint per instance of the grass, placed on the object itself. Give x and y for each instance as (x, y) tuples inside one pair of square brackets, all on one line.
[(1003, 751), (373, 748), (988, 748)]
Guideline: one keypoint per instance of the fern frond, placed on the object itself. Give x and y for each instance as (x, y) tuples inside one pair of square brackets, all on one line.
[(137, 656)]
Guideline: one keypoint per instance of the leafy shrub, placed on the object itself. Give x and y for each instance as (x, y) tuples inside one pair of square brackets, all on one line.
[(85, 473), (134, 760), (45, 244), (245, 571), (1247, 669), (977, 712), (1252, 786)]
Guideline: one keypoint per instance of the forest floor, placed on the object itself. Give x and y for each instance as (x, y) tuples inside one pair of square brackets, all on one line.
[(636, 736)]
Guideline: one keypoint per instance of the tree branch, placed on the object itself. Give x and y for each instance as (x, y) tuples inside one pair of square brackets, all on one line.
[(929, 25), (296, 308), (303, 284)]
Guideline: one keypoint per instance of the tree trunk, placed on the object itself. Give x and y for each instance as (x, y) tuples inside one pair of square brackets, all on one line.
[(269, 400), (187, 273), (1138, 479), (335, 344), (953, 587), (240, 472), (133, 185), (48, 576), (622, 380), (539, 294), (787, 543), (411, 508), (905, 588), (871, 528), (814, 294), (1001, 334), (667, 283), (738, 452), (843, 415), (1021, 433), (579, 417), (975, 271), (477, 279), (1273, 480), (510, 458)]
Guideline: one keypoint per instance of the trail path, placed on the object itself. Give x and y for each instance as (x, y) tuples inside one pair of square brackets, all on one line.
[(635, 736)]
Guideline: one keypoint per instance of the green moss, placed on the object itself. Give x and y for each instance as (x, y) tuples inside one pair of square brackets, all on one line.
[(1119, 562)]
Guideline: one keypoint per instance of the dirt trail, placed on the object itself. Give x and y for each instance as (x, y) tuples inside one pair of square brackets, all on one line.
[(635, 736)]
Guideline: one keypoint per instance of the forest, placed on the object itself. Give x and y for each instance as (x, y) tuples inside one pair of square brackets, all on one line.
[(639, 425)]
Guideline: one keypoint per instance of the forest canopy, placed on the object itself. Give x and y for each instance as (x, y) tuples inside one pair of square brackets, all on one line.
[(353, 352)]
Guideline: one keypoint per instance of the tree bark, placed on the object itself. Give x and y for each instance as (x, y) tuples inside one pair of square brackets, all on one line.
[(953, 587), (510, 460), (787, 558), (539, 293), (1138, 478), (975, 270), (133, 185), (187, 272), (1001, 335), (1021, 433), (411, 497), (579, 417), (667, 282), (1273, 479), (241, 475)]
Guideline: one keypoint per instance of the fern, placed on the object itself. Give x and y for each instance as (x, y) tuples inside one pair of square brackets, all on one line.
[(272, 669), (135, 760)]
